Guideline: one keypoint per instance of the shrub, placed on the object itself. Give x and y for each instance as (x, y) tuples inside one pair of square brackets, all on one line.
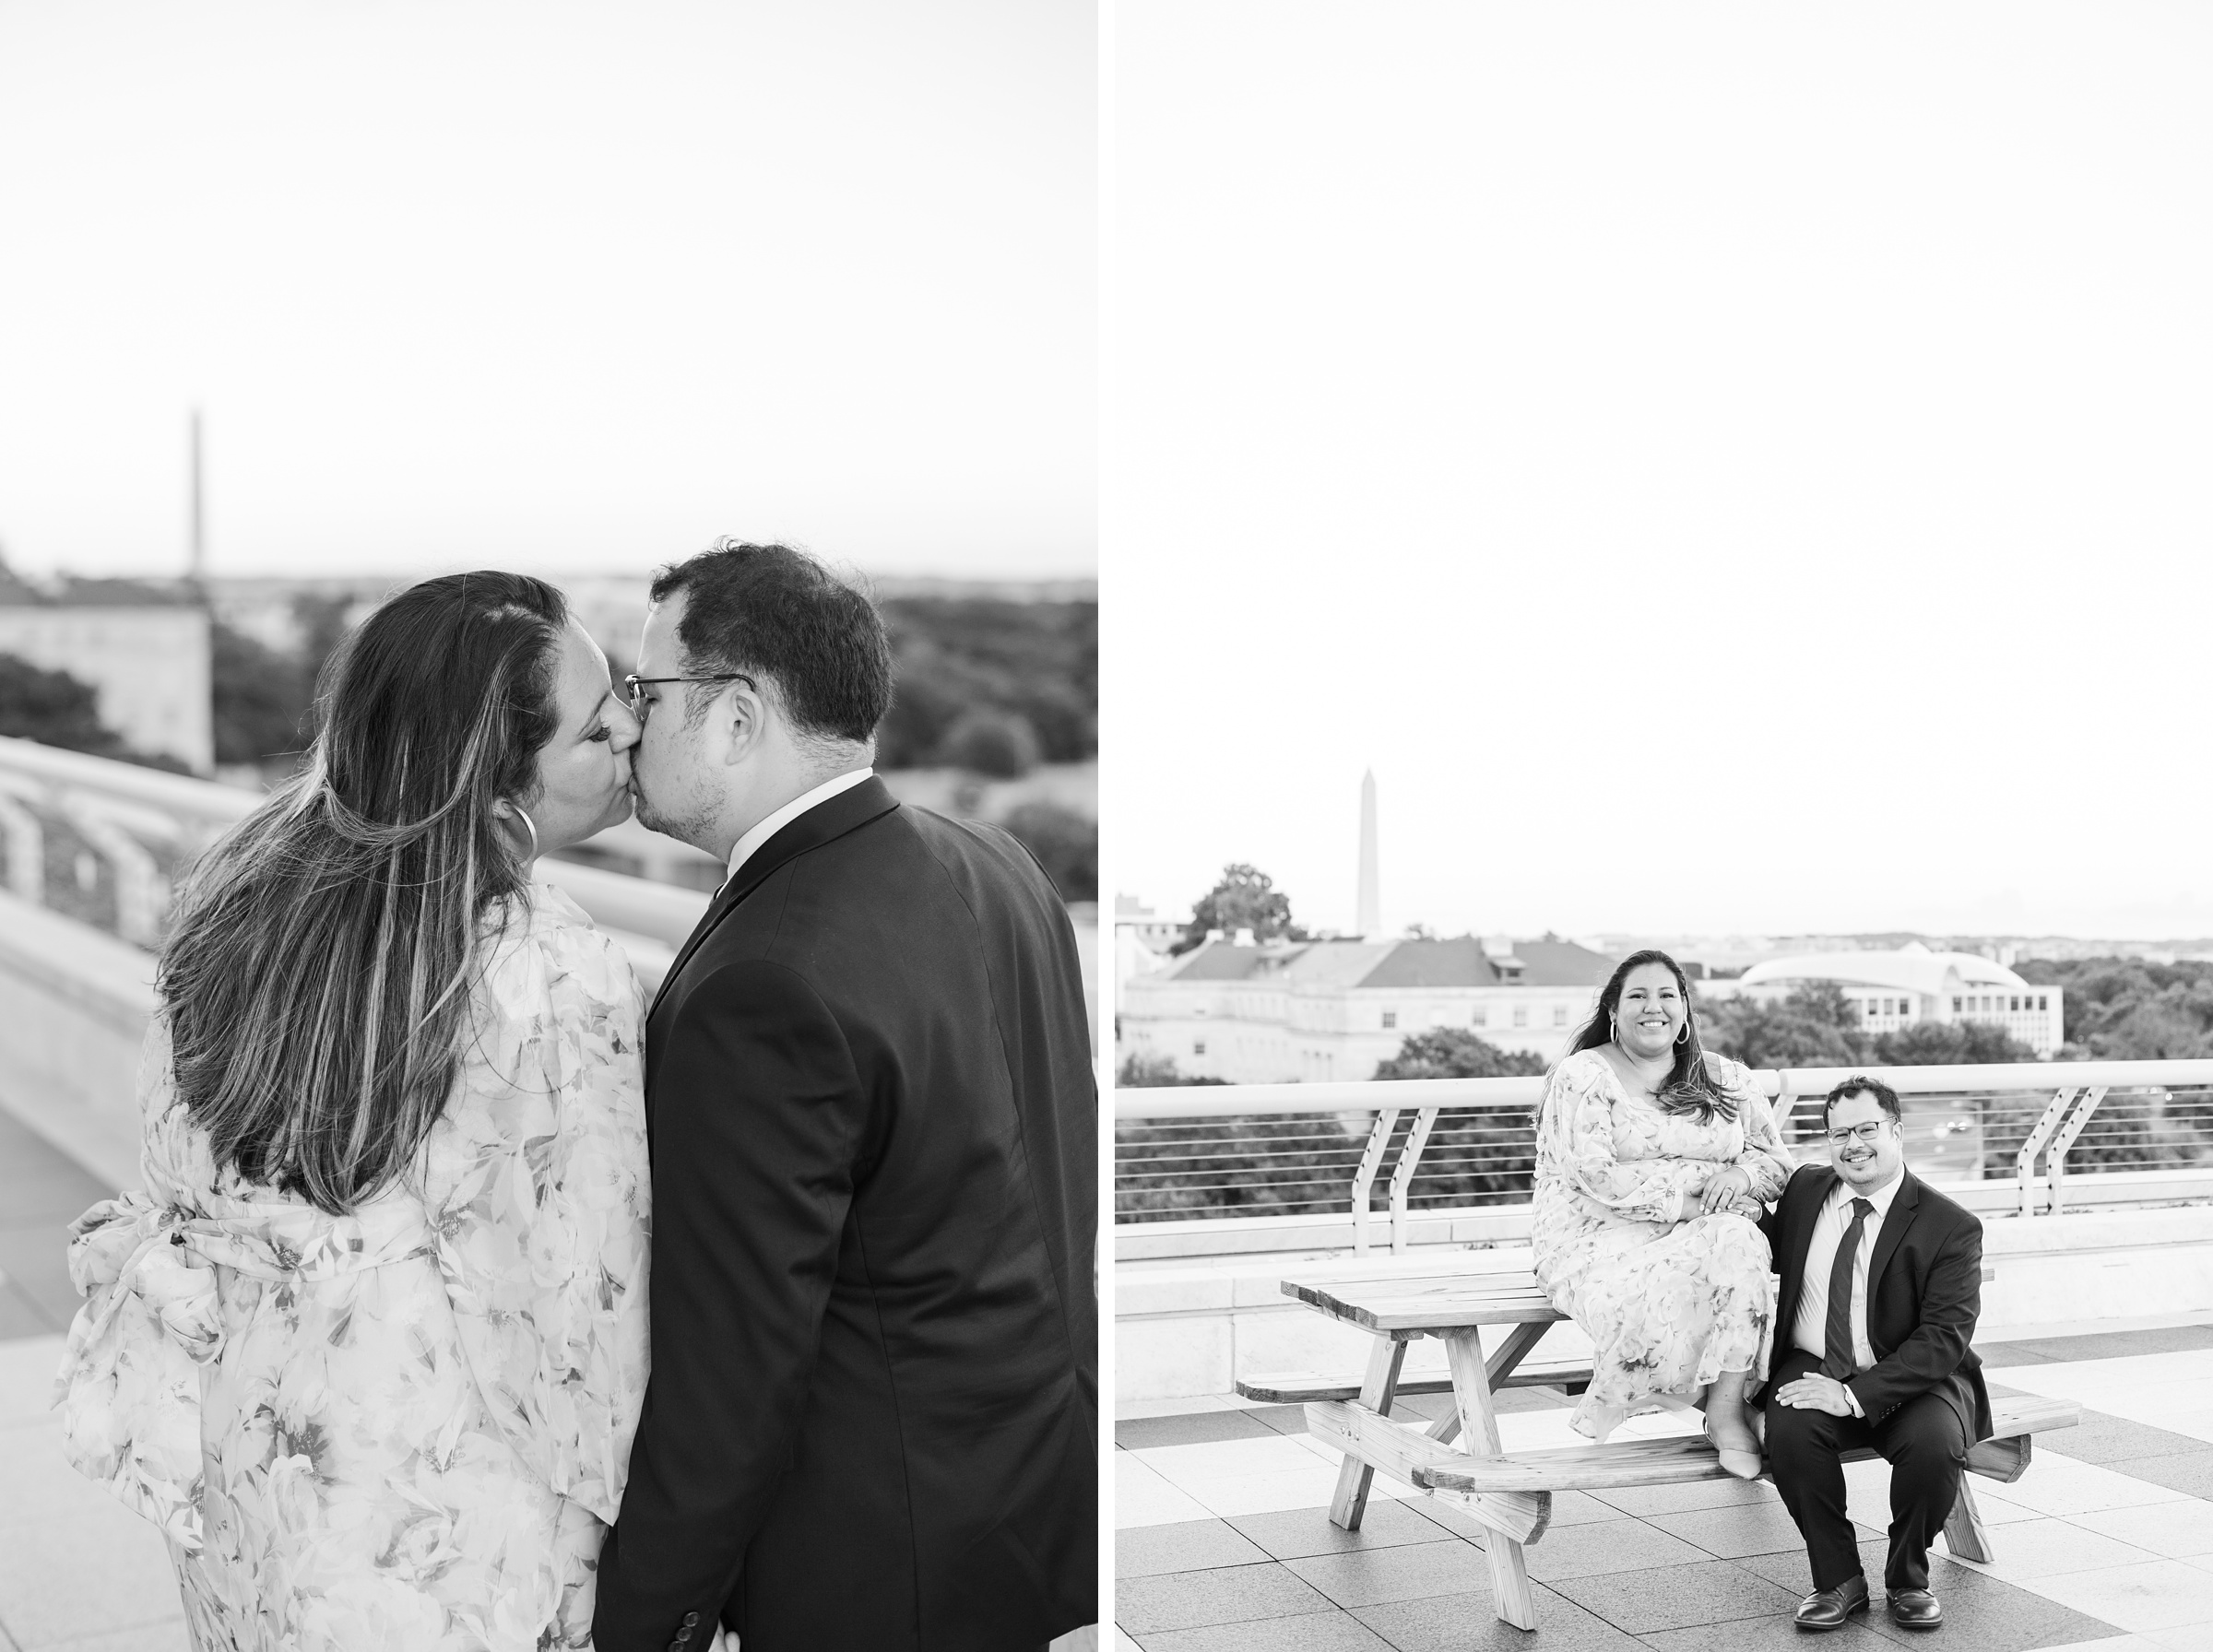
[(999, 744), (1065, 843)]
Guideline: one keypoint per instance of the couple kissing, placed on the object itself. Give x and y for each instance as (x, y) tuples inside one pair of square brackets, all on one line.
[(472, 1303)]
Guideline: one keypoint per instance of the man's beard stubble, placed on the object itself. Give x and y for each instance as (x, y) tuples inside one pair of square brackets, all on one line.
[(685, 829)]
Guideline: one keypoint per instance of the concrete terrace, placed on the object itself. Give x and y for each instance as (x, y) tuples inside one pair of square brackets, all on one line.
[(78, 1572), (2106, 1544)]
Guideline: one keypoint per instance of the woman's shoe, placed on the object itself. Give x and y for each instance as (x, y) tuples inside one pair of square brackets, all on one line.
[(1745, 1465)]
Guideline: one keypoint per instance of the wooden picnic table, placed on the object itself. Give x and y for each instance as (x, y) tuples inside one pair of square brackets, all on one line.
[(1510, 1496), (1396, 1309)]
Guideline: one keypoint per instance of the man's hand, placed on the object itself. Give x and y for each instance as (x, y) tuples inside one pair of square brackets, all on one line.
[(1725, 1189), (1814, 1392)]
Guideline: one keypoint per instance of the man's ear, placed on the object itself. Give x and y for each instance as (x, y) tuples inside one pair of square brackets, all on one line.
[(741, 714)]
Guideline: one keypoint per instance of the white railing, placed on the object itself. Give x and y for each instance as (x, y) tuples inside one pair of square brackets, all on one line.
[(131, 830), (1212, 1154)]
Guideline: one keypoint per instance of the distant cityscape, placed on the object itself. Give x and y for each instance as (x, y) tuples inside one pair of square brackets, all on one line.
[(995, 716), (1232, 991)]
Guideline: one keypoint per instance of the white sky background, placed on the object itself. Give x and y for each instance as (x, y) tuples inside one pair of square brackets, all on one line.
[(1726, 468), (549, 285)]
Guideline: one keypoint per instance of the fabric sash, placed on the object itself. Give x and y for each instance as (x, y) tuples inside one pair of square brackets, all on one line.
[(128, 1390)]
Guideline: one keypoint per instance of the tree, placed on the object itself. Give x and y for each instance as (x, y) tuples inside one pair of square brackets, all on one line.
[(995, 743), (2131, 1009), (1247, 898), (1473, 1156), (53, 708), (1139, 1072), (1065, 843), (1815, 1026), (1948, 1043), (261, 698), (1455, 1053), (1035, 660)]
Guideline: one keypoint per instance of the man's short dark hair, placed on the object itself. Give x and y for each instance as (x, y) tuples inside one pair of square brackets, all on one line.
[(771, 611), (1885, 1097)]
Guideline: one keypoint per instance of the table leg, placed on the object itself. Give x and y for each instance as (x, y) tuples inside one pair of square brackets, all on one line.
[(1376, 1392), (1502, 1364), (1517, 1603), (1963, 1533), (1513, 1349)]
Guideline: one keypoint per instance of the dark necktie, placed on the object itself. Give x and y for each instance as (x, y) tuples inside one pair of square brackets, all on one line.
[(1836, 1335)]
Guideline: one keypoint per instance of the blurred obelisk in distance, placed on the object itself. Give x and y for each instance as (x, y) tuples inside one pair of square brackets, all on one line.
[(1370, 922), (198, 507)]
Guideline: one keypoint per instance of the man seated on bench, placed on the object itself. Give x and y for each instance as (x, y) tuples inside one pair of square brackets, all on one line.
[(1882, 1280)]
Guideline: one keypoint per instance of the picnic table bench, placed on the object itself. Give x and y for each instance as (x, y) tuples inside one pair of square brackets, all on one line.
[(1509, 1494)]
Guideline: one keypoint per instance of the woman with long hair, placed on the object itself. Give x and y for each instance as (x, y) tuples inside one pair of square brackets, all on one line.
[(1654, 1159), (369, 1346)]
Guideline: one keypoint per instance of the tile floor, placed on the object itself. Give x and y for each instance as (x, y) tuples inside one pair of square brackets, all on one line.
[(2105, 1545), (78, 1572), (41, 1191)]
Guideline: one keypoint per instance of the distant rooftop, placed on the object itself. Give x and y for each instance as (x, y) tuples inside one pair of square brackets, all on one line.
[(1912, 968), (1462, 961), (64, 592)]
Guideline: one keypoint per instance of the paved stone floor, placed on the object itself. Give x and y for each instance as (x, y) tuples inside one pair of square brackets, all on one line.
[(2106, 1543), (78, 1572)]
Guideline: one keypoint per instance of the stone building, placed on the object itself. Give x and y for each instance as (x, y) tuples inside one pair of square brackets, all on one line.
[(1309, 1011), (142, 648)]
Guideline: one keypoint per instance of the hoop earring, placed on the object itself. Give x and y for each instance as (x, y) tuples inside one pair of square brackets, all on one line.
[(528, 825), (1613, 1026), (1684, 1036)]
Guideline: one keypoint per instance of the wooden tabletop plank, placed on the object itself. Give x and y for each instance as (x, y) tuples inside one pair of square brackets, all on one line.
[(1399, 1303)]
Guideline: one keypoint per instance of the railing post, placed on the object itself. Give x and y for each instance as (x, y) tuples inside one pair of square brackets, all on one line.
[(1402, 1176), (1785, 1099), (26, 852), (2057, 1165), (2024, 1164), (141, 893), (1364, 1179)]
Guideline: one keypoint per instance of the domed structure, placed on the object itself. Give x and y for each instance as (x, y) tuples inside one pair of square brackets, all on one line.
[(1895, 990)]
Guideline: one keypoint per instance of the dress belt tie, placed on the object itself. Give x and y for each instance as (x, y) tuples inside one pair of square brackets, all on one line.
[(166, 1256)]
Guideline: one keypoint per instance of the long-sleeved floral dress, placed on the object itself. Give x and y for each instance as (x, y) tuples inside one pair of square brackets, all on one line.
[(405, 1428), (1669, 1303)]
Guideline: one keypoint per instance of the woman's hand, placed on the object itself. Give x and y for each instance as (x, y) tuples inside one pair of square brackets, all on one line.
[(1725, 1188)]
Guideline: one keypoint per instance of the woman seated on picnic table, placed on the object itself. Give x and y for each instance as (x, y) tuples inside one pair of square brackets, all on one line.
[(1654, 1160)]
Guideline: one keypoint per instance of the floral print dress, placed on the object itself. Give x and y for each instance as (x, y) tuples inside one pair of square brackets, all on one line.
[(405, 1428), (1668, 1304)]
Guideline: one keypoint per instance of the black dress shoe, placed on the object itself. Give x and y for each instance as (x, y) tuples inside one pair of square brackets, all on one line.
[(1828, 1609), (1915, 1608)]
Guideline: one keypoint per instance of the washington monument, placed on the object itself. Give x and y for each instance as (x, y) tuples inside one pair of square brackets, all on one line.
[(1370, 905)]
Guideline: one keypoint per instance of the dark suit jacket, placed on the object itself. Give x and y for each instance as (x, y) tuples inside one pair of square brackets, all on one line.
[(872, 1418), (1924, 1289)]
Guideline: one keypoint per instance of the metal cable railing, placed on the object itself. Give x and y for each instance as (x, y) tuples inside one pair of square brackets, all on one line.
[(2127, 1128)]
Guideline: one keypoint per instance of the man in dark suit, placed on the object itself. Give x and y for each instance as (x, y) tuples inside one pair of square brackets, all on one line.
[(872, 1419), (1882, 1280)]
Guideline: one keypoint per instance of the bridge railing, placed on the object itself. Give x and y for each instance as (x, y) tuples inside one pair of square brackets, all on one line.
[(1304, 1164), (105, 842)]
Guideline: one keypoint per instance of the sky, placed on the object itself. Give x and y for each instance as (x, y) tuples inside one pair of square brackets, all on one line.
[(548, 285), (1726, 468)]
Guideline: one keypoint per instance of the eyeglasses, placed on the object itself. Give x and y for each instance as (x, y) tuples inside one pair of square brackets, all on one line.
[(1866, 1132), (640, 703)]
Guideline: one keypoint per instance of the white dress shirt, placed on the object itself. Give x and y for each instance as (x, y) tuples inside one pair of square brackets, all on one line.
[(1809, 1329), (759, 834)]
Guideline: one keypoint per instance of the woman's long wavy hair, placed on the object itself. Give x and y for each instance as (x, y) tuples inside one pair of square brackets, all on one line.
[(1689, 1088), (317, 979)]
